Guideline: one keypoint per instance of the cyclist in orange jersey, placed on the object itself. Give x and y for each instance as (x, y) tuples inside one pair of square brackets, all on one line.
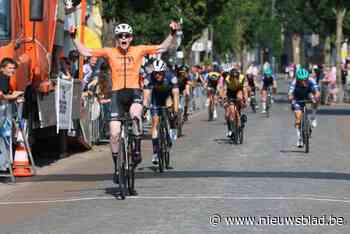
[(125, 62)]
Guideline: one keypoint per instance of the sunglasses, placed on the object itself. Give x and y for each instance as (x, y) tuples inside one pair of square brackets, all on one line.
[(124, 35)]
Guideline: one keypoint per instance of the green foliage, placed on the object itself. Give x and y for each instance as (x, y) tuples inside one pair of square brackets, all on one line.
[(246, 23), (150, 18), (238, 24)]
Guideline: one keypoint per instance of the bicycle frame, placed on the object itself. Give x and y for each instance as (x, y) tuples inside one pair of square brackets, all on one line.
[(126, 171)]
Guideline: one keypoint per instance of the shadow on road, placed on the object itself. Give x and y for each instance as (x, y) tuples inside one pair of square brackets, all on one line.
[(293, 151), (193, 174), (333, 112), (223, 141)]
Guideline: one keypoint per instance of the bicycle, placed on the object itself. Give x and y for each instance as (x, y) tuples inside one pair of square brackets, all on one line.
[(125, 167), (236, 123), (305, 126)]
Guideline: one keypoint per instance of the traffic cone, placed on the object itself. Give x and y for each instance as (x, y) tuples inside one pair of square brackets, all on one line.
[(21, 164)]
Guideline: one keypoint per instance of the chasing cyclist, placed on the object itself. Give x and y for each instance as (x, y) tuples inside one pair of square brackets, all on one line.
[(212, 83), (161, 90), (268, 80), (300, 90), (125, 62), (251, 90), (233, 89)]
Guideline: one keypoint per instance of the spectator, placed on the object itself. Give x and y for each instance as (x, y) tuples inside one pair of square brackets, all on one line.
[(330, 82), (65, 68), (7, 69), (90, 71), (345, 75), (74, 61)]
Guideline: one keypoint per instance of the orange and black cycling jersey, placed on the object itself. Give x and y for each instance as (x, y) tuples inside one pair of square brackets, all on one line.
[(125, 67)]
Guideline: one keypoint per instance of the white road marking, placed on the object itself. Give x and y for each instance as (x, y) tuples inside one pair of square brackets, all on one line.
[(184, 197)]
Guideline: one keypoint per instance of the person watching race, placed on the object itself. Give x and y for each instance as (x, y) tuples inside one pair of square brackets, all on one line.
[(8, 68), (300, 90), (233, 89), (125, 62), (268, 80), (161, 90)]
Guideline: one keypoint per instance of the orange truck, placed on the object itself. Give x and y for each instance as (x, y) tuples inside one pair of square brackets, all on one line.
[(29, 33)]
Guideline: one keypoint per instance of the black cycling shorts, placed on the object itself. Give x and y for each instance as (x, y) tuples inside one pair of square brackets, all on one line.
[(122, 100), (232, 94), (267, 83)]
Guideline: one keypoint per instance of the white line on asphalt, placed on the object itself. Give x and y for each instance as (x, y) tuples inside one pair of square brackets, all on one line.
[(56, 201), (188, 197), (199, 197)]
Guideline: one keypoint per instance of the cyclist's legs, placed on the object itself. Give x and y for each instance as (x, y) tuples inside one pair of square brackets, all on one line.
[(230, 109), (249, 92), (298, 116), (117, 110), (297, 108), (231, 114), (240, 97), (136, 115), (187, 100), (114, 129), (263, 97), (154, 131)]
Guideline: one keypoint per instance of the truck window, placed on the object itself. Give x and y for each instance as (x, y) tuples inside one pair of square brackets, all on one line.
[(5, 20)]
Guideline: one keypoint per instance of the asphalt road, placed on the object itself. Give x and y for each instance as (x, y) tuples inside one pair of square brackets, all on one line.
[(267, 179)]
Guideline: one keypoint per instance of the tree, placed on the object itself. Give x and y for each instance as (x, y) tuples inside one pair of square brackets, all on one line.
[(246, 24), (150, 18)]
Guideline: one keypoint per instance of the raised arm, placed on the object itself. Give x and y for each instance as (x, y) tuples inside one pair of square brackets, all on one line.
[(170, 41), (82, 49)]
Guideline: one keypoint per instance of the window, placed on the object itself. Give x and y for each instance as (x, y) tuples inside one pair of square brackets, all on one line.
[(5, 20)]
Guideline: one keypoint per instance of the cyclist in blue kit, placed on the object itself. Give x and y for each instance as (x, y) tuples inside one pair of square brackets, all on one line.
[(161, 90)]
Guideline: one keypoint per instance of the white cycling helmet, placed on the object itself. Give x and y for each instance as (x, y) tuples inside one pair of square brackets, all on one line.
[(123, 28), (159, 66)]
